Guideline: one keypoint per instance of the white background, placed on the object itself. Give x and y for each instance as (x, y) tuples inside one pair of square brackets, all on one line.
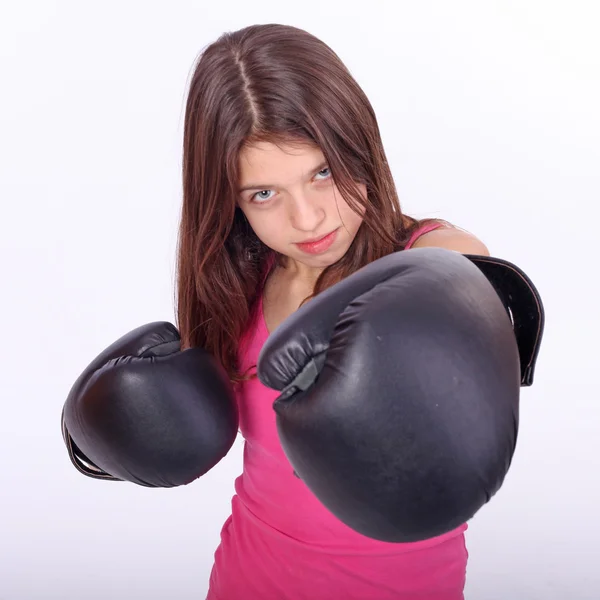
[(490, 117)]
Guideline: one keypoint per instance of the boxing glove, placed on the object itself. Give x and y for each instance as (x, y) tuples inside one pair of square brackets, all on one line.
[(399, 397), (146, 412)]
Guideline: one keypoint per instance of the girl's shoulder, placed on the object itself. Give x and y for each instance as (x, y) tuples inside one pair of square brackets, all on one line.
[(450, 237)]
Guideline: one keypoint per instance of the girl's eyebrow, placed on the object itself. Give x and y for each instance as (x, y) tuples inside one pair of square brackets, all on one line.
[(268, 186)]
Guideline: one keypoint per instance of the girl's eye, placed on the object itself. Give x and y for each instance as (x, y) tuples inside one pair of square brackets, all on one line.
[(325, 173), (265, 195), (262, 196)]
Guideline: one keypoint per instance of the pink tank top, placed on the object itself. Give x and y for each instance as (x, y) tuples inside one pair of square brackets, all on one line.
[(280, 543)]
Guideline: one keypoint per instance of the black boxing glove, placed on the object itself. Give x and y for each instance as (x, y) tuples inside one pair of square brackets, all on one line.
[(400, 392), (146, 412)]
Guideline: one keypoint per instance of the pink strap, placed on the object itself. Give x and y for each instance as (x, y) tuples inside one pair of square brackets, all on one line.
[(421, 231)]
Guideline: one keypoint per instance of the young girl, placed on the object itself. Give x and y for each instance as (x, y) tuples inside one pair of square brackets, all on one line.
[(287, 191)]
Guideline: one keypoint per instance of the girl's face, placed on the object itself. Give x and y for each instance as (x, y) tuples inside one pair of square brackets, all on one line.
[(291, 202)]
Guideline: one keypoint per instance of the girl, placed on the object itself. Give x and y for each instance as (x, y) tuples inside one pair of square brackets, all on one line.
[(286, 191)]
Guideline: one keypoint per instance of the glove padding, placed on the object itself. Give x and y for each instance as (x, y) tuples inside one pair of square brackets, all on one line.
[(399, 394), (144, 411)]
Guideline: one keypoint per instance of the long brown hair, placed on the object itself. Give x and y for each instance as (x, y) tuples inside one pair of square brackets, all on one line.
[(269, 83)]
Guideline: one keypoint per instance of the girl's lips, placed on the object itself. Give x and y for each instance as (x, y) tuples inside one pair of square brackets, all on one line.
[(320, 245)]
